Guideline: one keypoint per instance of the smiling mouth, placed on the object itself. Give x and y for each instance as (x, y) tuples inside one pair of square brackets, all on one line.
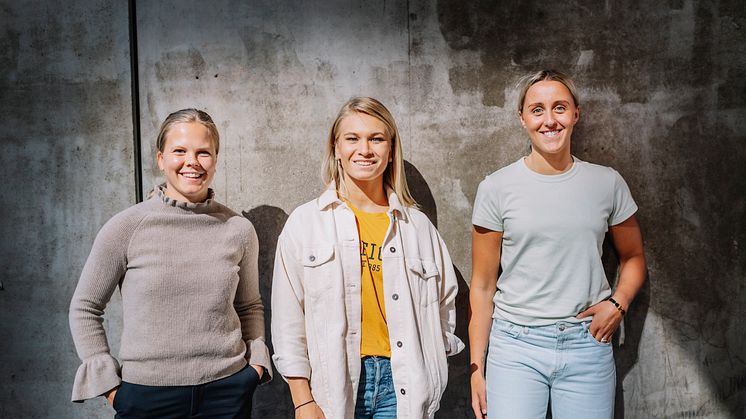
[(552, 133), (364, 163), (191, 175)]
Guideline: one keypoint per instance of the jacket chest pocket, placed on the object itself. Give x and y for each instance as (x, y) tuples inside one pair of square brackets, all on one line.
[(318, 269), (423, 280)]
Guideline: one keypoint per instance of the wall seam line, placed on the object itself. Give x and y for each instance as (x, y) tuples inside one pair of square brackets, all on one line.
[(135, 93)]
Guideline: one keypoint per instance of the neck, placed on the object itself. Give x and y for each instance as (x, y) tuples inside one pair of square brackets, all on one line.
[(552, 164), (368, 196), (171, 193)]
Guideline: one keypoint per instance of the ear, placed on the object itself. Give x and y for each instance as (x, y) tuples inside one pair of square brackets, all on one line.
[(159, 159), (577, 113), (520, 116)]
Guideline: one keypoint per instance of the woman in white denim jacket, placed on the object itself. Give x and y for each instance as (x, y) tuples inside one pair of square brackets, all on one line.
[(316, 289)]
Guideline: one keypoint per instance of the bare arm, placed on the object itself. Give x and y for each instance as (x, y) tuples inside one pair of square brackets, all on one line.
[(300, 391), (486, 245), (627, 240)]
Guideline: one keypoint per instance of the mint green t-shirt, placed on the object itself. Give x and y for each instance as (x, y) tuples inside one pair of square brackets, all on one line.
[(553, 230)]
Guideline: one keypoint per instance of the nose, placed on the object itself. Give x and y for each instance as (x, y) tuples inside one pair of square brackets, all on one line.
[(192, 160), (549, 119), (364, 147)]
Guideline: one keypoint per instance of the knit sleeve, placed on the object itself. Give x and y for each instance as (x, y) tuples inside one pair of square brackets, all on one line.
[(249, 307), (103, 271)]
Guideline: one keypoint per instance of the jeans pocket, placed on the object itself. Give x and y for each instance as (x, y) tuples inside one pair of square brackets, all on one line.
[(251, 379), (599, 343), (118, 396), (509, 329)]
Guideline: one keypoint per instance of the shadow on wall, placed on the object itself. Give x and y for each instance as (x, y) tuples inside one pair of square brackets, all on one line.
[(270, 400), (626, 353), (456, 401)]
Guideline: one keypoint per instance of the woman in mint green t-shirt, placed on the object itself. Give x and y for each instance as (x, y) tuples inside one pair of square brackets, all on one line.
[(549, 318)]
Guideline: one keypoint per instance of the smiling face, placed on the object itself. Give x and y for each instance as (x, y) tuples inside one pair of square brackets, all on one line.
[(363, 148), (549, 115), (188, 161)]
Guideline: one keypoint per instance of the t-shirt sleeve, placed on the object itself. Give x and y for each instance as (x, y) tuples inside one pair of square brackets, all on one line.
[(623, 205), (487, 208)]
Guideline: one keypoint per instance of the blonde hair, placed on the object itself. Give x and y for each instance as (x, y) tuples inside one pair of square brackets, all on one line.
[(393, 176), (546, 75), (188, 115)]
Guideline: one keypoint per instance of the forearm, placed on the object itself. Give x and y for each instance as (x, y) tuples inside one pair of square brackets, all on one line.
[(480, 321), (300, 390), (632, 274)]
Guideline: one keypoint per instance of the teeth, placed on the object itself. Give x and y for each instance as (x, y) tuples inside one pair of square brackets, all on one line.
[(551, 133), (364, 163), (192, 175)]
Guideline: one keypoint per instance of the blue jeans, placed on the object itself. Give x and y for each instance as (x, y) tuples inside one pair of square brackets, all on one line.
[(376, 398), (529, 366)]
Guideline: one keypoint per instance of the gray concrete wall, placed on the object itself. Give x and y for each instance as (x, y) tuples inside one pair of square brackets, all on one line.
[(66, 132), (662, 91)]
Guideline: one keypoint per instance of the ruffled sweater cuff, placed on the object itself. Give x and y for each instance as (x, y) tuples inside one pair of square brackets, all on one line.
[(97, 375), (258, 354)]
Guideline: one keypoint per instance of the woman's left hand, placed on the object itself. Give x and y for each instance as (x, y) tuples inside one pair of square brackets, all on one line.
[(606, 319), (259, 370)]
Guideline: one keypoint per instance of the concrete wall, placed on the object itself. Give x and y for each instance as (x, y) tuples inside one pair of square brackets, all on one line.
[(662, 90), (66, 131)]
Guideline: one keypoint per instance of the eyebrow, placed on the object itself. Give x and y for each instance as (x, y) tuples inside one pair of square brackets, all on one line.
[(372, 134), (553, 103)]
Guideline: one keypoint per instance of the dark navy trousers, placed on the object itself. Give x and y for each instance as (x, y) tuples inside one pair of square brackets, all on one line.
[(226, 398)]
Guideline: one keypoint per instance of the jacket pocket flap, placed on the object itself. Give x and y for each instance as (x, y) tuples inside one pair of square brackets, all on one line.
[(316, 255), (423, 268)]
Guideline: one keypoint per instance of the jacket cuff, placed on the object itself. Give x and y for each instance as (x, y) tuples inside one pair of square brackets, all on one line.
[(96, 376), (453, 344), (257, 353), (292, 366)]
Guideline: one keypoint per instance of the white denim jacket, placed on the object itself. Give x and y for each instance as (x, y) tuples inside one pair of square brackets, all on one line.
[(316, 306)]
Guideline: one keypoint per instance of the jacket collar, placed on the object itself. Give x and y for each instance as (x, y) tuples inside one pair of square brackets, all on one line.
[(329, 197)]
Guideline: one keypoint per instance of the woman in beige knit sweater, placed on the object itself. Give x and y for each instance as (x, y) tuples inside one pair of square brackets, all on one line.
[(186, 266)]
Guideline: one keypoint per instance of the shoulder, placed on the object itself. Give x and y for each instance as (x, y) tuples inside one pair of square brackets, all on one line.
[(597, 169), (418, 218), (421, 224), (128, 219), (304, 213), (599, 173), (235, 221), (503, 175)]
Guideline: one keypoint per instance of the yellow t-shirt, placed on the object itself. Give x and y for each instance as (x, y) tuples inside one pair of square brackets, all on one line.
[(375, 332)]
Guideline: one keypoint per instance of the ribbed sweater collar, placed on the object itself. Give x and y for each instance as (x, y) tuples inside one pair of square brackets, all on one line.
[(207, 206)]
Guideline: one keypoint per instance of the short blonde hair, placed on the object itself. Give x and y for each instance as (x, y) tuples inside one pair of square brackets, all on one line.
[(546, 75), (393, 176), (186, 116)]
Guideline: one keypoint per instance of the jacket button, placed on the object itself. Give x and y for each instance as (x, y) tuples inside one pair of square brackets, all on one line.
[(312, 258), (403, 391), (392, 249), (399, 344), (395, 297)]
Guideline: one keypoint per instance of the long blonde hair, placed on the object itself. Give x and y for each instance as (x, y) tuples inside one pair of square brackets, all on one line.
[(393, 176)]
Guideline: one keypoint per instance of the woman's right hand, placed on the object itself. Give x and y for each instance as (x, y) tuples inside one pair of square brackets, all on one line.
[(478, 394), (110, 396), (309, 411)]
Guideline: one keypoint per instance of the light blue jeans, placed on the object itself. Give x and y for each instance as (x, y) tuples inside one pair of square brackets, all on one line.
[(376, 398), (529, 366)]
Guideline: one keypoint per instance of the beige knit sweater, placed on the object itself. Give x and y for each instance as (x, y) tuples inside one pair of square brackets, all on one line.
[(190, 297)]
